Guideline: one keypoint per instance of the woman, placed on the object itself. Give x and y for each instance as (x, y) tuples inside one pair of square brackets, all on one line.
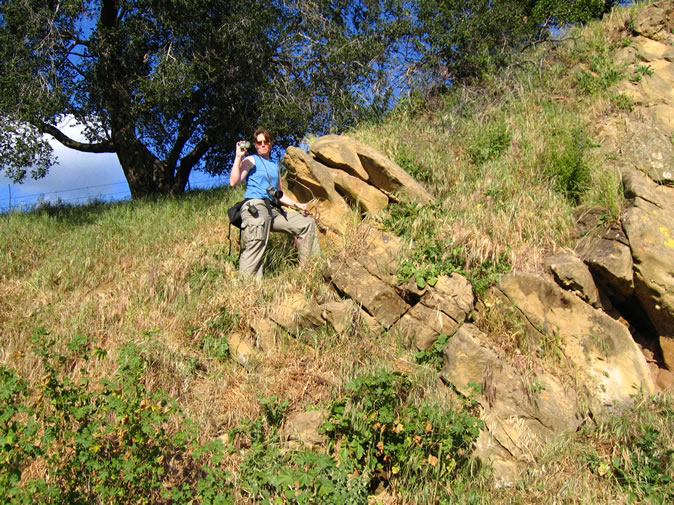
[(262, 211)]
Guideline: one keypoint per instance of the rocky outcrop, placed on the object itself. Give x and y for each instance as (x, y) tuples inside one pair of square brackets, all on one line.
[(610, 367), (441, 309), (570, 272), (341, 173), (648, 224), (649, 60), (522, 409)]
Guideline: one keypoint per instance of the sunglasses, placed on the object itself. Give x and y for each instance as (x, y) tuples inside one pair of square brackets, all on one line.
[(262, 142)]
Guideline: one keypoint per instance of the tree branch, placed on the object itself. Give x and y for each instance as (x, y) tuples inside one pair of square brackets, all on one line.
[(101, 147)]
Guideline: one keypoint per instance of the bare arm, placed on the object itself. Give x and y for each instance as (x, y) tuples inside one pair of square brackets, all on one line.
[(241, 166)]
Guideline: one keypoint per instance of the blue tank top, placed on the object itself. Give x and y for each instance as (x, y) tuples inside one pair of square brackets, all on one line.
[(257, 181)]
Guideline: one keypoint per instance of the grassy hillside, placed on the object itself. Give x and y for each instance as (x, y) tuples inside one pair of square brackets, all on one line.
[(116, 373)]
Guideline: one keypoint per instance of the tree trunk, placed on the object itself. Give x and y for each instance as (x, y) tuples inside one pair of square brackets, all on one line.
[(145, 173)]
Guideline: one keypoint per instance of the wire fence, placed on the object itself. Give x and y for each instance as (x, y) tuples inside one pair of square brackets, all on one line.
[(112, 192)]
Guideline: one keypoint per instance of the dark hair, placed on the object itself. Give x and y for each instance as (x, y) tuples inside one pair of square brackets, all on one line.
[(267, 135)]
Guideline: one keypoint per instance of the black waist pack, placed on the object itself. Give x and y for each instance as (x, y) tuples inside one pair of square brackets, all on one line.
[(234, 213)]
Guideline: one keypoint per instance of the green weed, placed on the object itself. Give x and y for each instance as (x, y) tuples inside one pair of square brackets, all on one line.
[(433, 356), (105, 444), (564, 163), (490, 143), (430, 257), (376, 432)]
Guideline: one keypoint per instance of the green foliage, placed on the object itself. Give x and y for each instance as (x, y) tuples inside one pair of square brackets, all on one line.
[(602, 72), (377, 432), (564, 163), (271, 475), (175, 94), (647, 468), (622, 102), (433, 356), (375, 435), (640, 72), (105, 444), (430, 260), (213, 342), (408, 162), (470, 38)]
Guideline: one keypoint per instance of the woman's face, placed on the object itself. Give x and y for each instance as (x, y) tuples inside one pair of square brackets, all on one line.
[(262, 145)]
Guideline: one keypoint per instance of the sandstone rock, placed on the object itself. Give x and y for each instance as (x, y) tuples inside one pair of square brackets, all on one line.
[(611, 364), (655, 21), (610, 260), (572, 274), (345, 316), (265, 334), (367, 197), (441, 309), (650, 50), (309, 179), (649, 150), (301, 429), (648, 225), (522, 410), (664, 117), (378, 298), (379, 254), (336, 151), (368, 276), (241, 350), (340, 314), (665, 380), (381, 171), (296, 313), (667, 346)]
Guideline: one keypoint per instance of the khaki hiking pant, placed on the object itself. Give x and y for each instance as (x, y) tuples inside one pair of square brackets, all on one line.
[(255, 228)]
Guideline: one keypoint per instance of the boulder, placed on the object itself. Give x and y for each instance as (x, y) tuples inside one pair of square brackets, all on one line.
[(265, 334), (646, 148), (367, 197), (301, 429), (295, 314), (655, 21), (345, 316), (607, 254), (242, 350), (649, 50), (310, 180), (609, 363), (377, 297), (336, 151), (379, 253)]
